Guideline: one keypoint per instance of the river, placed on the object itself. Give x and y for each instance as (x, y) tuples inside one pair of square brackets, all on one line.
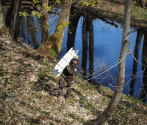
[(99, 46)]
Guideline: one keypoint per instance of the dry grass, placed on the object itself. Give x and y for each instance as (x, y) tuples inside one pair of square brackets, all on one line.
[(21, 67)]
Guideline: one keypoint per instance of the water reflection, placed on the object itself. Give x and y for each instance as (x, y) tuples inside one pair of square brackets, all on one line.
[(73, 19), (135, 64), (23, 25), (144, 69), (9, 14), (98, 43), (84, 48), (32, 30), (91, 45), (87, 37), (28, 31), (141, 92)]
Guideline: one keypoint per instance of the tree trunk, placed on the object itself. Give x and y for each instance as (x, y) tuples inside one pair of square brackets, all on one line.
[(137, 47), (55, 41), (16, 24), (44, 21), (121, 69), (2, 24)]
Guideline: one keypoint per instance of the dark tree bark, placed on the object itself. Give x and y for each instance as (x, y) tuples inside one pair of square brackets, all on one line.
[(137, 47), (45, 24), (16, 24), (121, 70), (2, 24)]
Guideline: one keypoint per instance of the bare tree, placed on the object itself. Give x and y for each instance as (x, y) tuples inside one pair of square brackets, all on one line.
[(121, 70), (2, 24)]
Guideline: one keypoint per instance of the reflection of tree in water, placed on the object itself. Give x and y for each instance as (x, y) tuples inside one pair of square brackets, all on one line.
[(73, 19), (84, 49), (32, 30), (29, 39), (135, 64), (136, 54), (9, 14), (16, 18), (87, 34), (24, 31), (22, 28), (144, 61), (91, 47)]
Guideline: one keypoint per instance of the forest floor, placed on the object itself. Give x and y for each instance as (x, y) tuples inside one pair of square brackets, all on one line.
[(29, 93), (114, 11)]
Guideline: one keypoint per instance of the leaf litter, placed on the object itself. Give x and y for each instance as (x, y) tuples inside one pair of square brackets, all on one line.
[(21, 102)]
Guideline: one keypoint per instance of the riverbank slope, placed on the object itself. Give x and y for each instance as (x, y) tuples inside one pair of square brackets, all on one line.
[(29, 92), (114, 11)]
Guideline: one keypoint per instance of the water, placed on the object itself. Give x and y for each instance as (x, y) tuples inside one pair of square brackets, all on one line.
[(107, 44), (99, 48)]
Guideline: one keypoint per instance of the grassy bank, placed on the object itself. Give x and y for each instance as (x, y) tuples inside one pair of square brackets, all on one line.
[(25, 100)]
